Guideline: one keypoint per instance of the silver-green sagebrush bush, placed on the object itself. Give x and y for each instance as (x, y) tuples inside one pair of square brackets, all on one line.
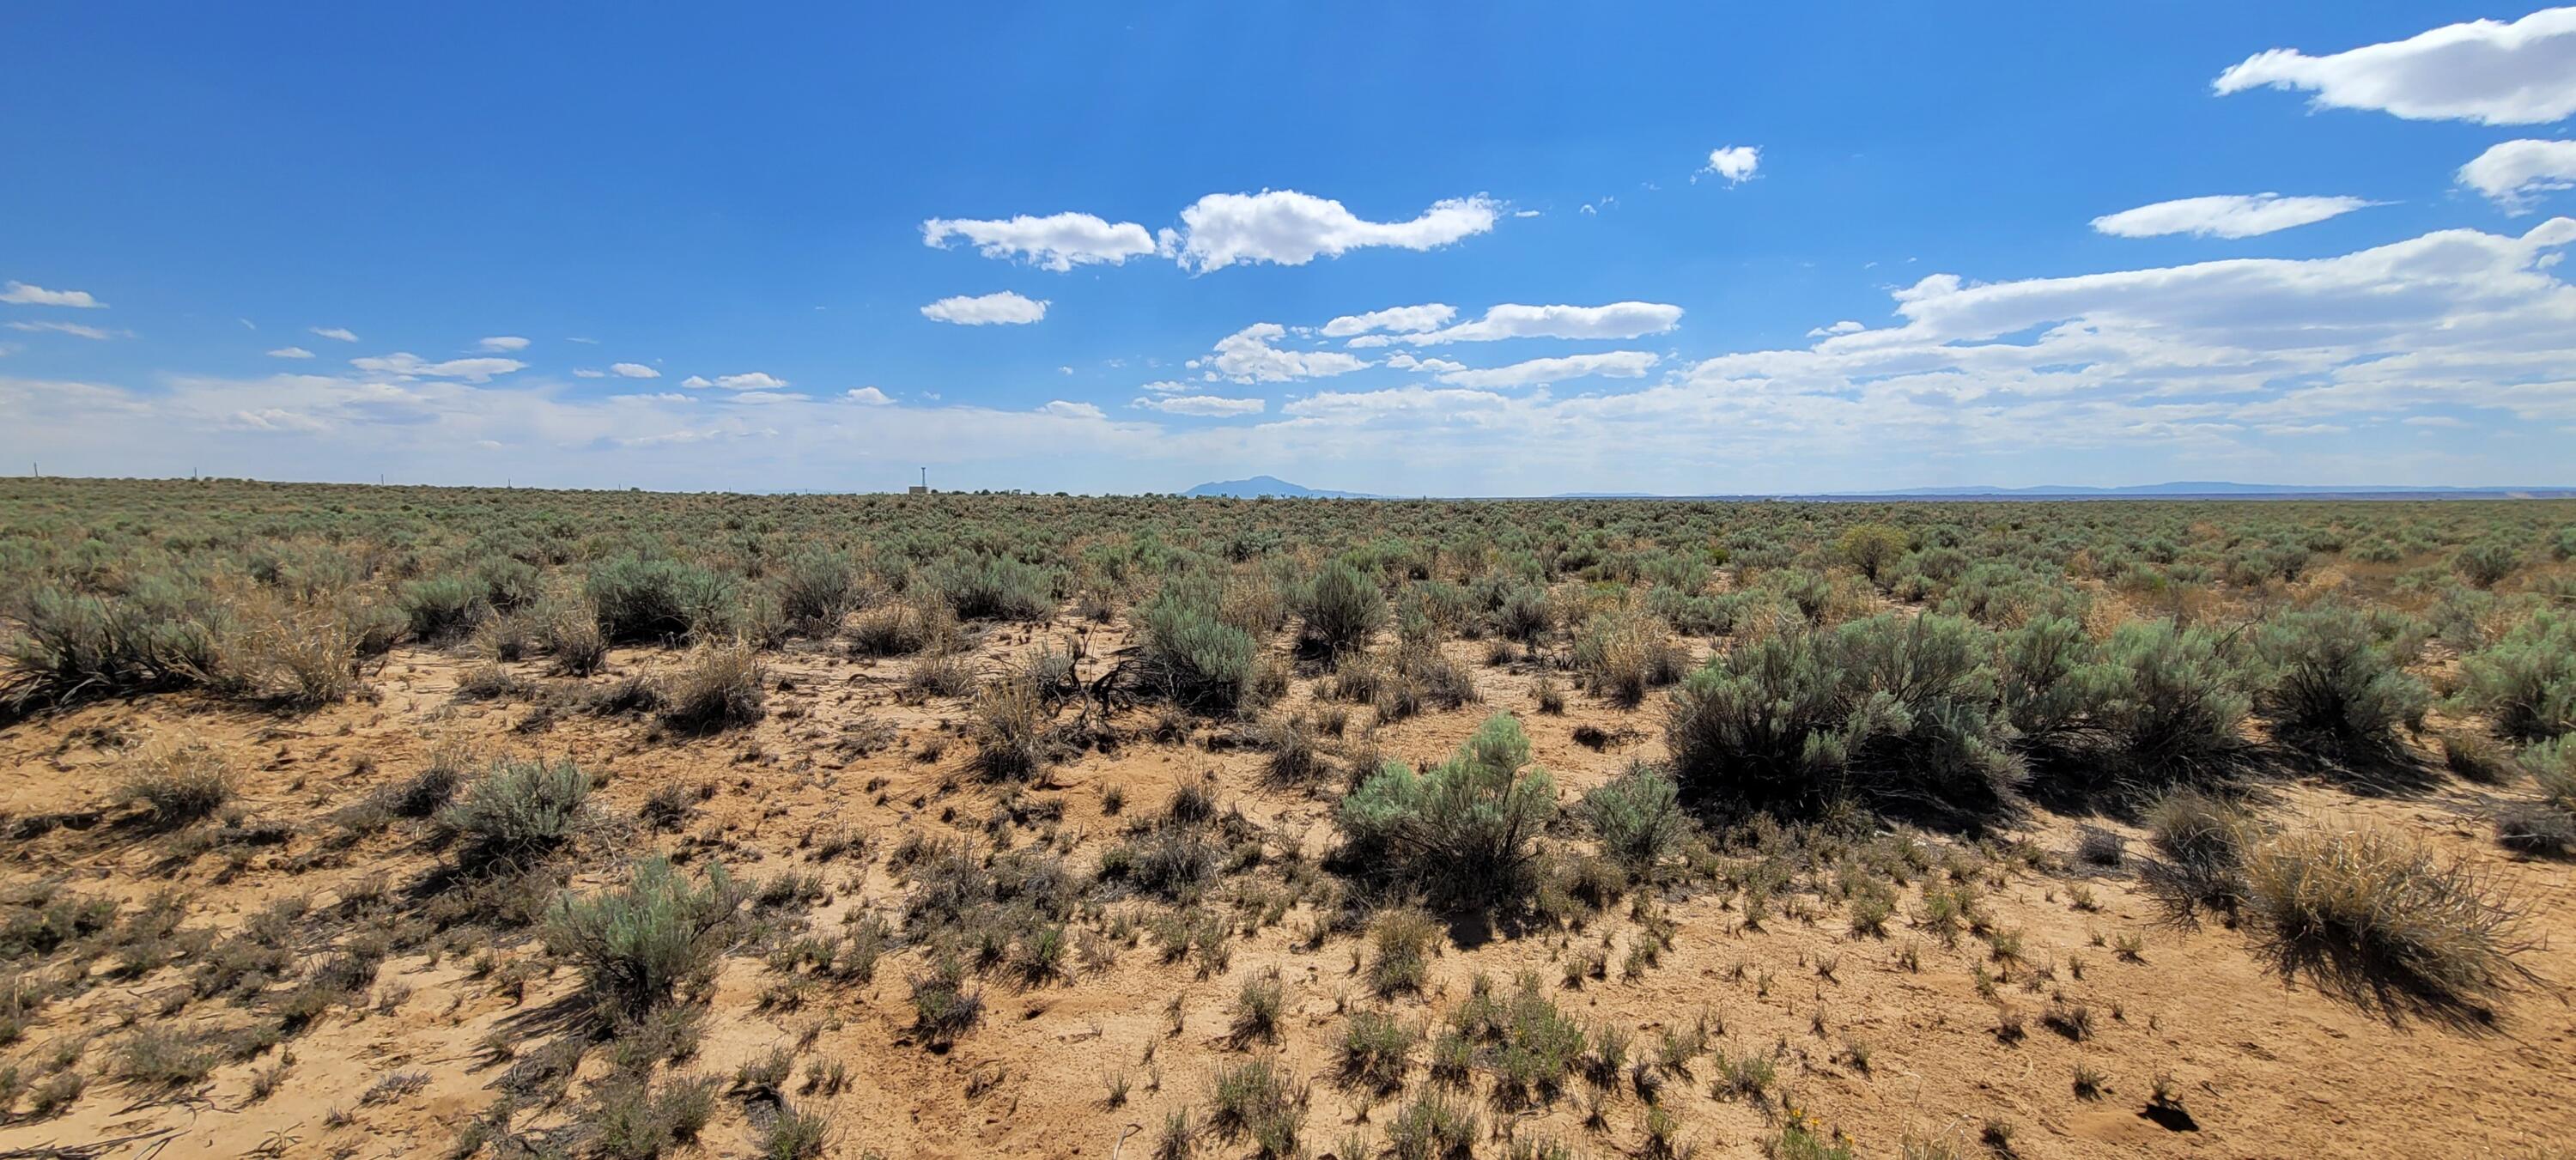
[(1468, 826), (640, 943)]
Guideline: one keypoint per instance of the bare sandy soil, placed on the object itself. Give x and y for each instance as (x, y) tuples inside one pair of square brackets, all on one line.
[(1864, 1044)]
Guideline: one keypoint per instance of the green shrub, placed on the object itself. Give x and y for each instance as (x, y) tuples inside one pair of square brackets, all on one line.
[(1871, 548), (442, 609), (72, 647), (508, 585), (816, 588), (2526, 681), (1468, 826), (1193, 657), (644, 599), (2487, 562), (2048, 688), (1887, 707), (515, 815), (2332, 680), (2171, 699), (640, 943), (1638, 818), (1338, 610), (989, 587)]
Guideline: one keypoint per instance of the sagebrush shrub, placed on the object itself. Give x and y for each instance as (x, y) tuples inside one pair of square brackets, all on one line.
[(2170, 698), (516, 814), (994, 587), (442, 608), (2526, 681), (816, 588), (639, 943), (1193, 657), (1638, 818), (74, 646), (2330, 678), (1469, 826), (641, 599), (2487, 562), (1885, 707), (1338, 610)]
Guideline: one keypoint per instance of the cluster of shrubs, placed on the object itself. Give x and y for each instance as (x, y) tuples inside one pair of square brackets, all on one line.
[(1937, 708)]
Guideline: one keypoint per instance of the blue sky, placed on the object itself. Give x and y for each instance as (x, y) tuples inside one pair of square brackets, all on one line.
[(700, 244)]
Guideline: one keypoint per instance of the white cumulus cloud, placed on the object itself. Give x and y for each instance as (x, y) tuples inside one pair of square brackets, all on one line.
[(1292, 228), (1005, 308), (1734, 163), (1616, 364), (2522, 73), (1071, 410), (405, 364), (1247, 356), (2514, 173), (2225, 215), (869, 396), (335, 332), (1399, 319), (504, 344), (626, 370), (1511, 320), (1211, 406), (290, 352), (1846, 326), (1057, 241), (22, 294)]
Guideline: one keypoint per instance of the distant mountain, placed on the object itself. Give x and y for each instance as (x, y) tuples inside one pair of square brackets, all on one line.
[(1266, 485)]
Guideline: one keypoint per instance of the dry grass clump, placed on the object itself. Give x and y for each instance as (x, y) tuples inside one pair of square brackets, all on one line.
[(1011, 726), (718, 688), (2379, 915), (2200, 841), (177, 783), (1623, 653)]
